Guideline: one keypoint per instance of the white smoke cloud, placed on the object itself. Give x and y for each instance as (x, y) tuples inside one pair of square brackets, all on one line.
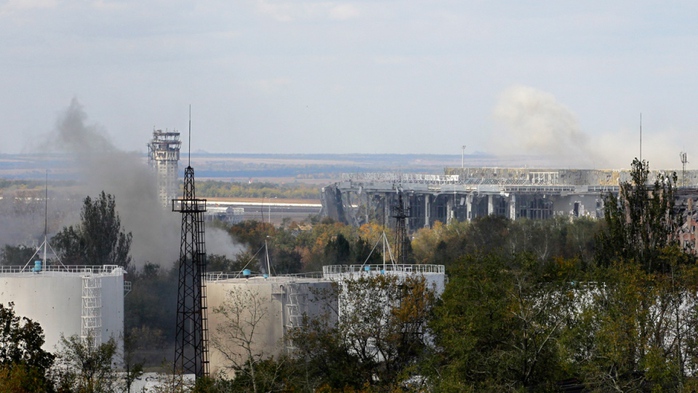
[(535, 123), (219, 242)]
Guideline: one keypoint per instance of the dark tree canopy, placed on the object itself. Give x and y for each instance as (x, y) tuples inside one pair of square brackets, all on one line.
[(98, 239), (21, 358), (642, 221)]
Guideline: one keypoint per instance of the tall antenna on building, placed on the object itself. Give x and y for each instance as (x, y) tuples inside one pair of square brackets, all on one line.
[(684, 161), (640, 136), (191, 336), (45, 217), (45, 244)]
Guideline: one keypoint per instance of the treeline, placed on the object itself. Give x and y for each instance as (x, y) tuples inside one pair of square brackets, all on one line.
[(535, 306), (221, 189)]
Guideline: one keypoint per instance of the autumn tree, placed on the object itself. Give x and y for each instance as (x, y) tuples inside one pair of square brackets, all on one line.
[(98, 239)]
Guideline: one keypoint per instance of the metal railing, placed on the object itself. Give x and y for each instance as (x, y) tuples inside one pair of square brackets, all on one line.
[(388, 267), (58, 268), (221, 276)]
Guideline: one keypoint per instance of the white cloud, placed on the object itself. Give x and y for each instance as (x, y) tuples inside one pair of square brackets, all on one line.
[(286, 11), (344, 12), (13, 6)]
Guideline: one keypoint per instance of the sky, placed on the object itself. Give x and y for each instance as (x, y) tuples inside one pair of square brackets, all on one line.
[(567, 79)]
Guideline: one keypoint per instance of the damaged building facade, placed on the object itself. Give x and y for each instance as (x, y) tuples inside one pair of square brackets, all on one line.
[(463, 194)]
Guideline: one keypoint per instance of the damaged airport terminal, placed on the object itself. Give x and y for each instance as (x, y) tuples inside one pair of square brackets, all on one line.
[(463, 194)]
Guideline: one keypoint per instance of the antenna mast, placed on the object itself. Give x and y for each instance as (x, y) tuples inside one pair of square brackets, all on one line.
[(684, 161), (45, 219), (640, 136)]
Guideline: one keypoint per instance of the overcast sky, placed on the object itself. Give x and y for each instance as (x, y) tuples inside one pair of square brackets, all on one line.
[(567, 78)]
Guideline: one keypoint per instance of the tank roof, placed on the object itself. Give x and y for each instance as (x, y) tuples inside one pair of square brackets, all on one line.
[(61, 270)]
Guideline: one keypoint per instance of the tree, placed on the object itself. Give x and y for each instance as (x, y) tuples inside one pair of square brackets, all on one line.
[(498, 325), (338, 250), (16, 255), (378, 339), (642, 221), (99, 239), (244, 314), (132, 369), (23, 364), (86, 367)]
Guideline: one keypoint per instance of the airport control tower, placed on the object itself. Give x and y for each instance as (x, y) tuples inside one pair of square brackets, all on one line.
[(163, 155)]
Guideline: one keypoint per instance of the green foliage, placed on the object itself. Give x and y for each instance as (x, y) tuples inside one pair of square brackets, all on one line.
[(543, 239), (374, 343), (15, 255), (498, 324), (23, 379), (642, 221), (86, 367), (98, 239), (150, 311), (221, 189), (23, 364)]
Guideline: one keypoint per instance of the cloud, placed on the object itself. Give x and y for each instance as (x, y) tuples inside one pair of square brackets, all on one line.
[(13, 6), (286, 11), (343, 12)]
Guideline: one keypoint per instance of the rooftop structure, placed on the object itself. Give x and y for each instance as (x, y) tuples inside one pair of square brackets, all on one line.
[(463, 194), (270, 306), (163, 155), (273, 305)]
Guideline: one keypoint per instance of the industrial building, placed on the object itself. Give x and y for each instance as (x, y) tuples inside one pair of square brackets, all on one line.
[(280, 302), (68, 300), (163, 156), (463, 194)]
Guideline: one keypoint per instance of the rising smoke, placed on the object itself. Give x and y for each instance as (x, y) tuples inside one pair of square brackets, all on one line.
[(535, 123), (101, 166)]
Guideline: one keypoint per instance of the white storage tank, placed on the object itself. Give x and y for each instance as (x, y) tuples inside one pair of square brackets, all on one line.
[(283, 300), (67, 300)]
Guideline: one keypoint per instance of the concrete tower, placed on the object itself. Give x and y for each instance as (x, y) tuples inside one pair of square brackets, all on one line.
[(163, 155)]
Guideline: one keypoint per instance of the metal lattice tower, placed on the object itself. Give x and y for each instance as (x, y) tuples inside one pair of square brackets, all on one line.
[(163, 155), (400, 214), (191, 345)]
